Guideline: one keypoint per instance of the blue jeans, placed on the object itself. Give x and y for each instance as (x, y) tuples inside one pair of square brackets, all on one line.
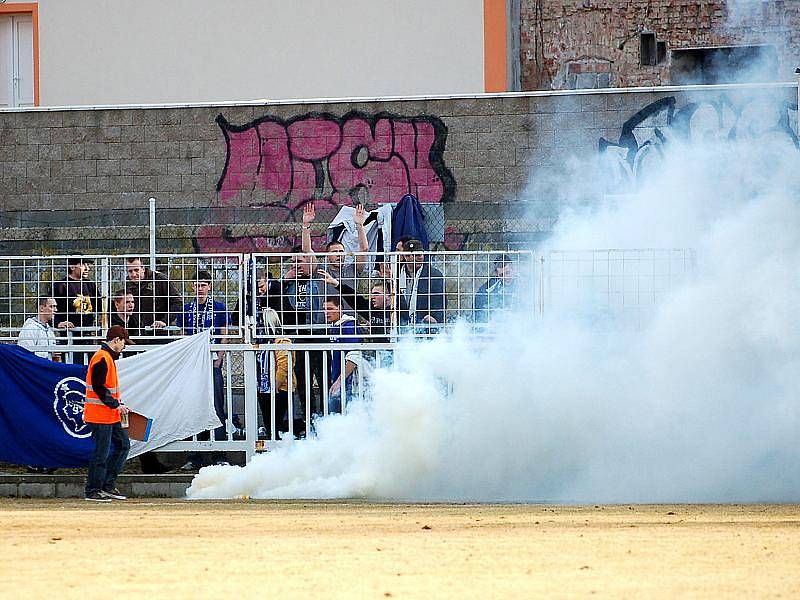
[(222, 415), (104, 466), (219, 403)]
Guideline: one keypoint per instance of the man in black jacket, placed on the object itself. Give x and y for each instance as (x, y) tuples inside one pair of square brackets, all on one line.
[(157, 300), (77, 298), (425, 289)]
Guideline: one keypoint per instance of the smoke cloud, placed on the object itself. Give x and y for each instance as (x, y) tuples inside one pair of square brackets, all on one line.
[(698, 403)]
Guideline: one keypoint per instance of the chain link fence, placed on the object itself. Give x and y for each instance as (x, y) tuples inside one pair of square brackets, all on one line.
[(451, 226)]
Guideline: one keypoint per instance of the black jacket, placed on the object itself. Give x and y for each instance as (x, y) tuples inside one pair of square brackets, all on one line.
[(156, 299), (78, 302), (99, 372)]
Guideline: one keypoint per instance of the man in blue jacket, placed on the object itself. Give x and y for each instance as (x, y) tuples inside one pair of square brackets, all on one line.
[(497, 294), (343, 363)]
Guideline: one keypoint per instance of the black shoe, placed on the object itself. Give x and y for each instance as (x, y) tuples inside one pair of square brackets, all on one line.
[(114, 494), (97, 497)]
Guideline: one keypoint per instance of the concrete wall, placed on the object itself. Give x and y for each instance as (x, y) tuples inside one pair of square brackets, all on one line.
[(563, 37), (232, 178), (109, 52)]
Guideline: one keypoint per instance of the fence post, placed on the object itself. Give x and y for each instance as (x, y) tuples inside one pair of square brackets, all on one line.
[(541, 286), (152, 202), (250, 403), (105, 292)]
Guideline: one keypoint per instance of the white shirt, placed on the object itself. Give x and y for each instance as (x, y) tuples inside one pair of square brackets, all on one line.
[(412, 300), (35, 334)]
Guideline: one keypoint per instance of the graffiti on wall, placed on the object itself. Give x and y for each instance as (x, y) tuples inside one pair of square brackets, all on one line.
[(274, 163), (644, 135), (354, 158)]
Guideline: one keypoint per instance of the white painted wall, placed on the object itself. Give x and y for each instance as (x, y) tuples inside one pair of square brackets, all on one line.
[(144, 51)]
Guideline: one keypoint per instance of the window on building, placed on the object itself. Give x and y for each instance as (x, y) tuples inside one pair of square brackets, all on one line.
[(652, 51), (16, 61), (727, 64), (647, 49)]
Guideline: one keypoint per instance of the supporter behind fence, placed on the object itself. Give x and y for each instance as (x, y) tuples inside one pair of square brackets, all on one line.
[(343, 363), (158, 302), (124, 312), (78, 300), (201, 314), (424, 291), (273, 375), (498, 293), (37, 335)]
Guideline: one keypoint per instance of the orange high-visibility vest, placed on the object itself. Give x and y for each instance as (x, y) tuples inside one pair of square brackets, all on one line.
[(94, 411)]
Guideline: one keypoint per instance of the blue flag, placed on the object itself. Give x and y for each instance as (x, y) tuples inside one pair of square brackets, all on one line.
[(41, 411)]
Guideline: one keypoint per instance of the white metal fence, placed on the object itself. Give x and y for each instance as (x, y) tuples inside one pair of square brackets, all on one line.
[(274, 380)]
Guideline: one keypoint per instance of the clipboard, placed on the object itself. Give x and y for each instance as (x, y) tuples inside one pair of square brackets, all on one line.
[(139, 426)]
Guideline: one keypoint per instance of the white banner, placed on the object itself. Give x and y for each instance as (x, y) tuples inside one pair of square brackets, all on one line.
[(173, 385)]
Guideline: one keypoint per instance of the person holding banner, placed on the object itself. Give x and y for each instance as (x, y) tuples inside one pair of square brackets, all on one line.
[(103, 412)]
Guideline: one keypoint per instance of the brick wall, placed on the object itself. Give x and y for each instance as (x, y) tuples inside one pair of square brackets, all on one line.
[(232, 178), (562, 37)]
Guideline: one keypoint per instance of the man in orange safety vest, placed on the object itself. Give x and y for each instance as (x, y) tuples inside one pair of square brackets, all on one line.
[(103, 412)]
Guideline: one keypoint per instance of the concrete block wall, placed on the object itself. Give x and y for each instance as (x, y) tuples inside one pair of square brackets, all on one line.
[(231, 178)]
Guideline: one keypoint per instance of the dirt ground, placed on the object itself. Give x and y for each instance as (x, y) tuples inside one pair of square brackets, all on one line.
[(354, 549)]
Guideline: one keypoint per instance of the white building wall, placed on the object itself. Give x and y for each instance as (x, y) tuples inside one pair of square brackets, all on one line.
[(153, 51)]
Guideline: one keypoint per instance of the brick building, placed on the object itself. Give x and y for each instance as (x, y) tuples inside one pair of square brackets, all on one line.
[(571, 44)]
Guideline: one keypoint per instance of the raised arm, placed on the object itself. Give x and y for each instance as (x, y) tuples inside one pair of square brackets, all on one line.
[(309, 214), (363, 243)]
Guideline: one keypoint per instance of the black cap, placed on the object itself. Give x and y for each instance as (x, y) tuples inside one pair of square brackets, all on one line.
[(413, 246)]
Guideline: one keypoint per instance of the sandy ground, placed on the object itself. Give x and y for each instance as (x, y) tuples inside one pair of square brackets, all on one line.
[(160, 548)]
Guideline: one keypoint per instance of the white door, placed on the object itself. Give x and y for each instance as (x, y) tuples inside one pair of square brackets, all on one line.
[(16, 61)]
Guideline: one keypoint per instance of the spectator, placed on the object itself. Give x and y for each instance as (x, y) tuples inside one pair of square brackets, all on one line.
[(37, 333), (401, 242), (425, 289), (299, 305), (123, 313), (497, 293), (341, 328), (334, 262), (272, 333), (377, 311), (201, 314), (402, 274), (157, 301), (266, 287), (77, 299)]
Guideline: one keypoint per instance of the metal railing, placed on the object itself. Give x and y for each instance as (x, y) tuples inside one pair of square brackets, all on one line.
[(390, 293), (276, 379)]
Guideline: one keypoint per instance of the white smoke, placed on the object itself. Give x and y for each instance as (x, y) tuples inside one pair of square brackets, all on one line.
[(698, 404)]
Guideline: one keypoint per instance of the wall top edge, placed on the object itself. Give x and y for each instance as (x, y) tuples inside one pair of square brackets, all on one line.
[(310, 101)]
